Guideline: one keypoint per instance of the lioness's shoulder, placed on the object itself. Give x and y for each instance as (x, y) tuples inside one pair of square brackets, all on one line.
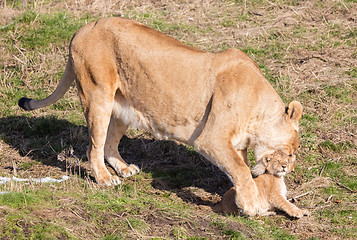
[(118, 21), (235, 59), (109, 23)]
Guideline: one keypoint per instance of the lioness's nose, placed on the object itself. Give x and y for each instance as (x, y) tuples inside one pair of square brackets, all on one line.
[(283, 166)]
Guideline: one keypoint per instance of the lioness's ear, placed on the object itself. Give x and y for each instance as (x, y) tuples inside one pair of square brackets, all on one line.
[(295, 112)]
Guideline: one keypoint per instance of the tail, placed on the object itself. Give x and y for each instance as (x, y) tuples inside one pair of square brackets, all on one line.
[(66, 81)]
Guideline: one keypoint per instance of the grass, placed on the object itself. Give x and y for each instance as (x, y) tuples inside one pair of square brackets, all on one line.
[(306, 49)]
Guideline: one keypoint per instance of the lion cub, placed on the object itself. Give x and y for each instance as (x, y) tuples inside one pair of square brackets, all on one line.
[(271, 187), (262, 166)]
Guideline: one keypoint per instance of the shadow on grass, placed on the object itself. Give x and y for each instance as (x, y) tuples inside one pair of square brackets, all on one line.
[(173, 166), (47, 140)]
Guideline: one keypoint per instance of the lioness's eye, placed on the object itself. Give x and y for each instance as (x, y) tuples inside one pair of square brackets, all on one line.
[(290, 155)]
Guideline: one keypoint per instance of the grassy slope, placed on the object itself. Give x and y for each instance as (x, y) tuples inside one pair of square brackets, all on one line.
[(306, 49)]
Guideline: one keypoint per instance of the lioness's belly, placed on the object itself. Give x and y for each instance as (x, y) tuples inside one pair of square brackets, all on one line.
[(184, 130)]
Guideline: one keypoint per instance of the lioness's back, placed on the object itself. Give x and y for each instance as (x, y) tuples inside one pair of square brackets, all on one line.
[(174, 81)]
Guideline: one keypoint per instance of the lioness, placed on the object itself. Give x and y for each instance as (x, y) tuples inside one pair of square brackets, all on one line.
[(271, 187), (129, 74)]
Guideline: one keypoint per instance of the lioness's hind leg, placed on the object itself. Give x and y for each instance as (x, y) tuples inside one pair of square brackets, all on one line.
[(115, 132), (98, 114)]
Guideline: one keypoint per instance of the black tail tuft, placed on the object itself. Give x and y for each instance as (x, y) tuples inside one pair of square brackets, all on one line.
[(24, 103)]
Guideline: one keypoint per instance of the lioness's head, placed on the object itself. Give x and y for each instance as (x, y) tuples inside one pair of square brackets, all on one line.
[(278, 163), (281, 134)]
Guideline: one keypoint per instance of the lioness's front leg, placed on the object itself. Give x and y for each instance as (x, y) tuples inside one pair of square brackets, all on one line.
[(222, 127), (222, 154)]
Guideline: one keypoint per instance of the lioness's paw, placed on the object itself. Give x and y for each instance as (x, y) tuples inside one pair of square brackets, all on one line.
[(258, 170), (115, 180), (250, 210), (109, 180), (248, 199), (266, 214), (300, 213), (132, 169)]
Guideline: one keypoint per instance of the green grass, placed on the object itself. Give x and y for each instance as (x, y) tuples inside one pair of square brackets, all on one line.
[(29, 35), (16, 199), (341, 93), (253, 52), (157, 21), (353, 73), (38, 31), (22, 224), (339, 219), (339, 148)]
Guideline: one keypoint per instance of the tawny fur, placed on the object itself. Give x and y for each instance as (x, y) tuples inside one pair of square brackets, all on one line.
[(128, 74), (271, 187), (261, 166)]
